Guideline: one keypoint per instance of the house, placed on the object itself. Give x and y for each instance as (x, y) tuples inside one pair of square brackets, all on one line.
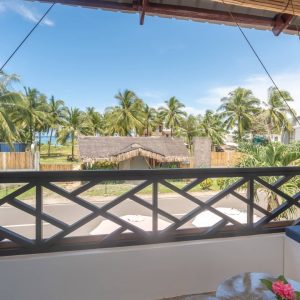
[(294, 135), (131, 263), (133, 152)]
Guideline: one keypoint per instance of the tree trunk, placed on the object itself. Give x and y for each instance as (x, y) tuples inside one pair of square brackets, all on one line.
[(30, 131), (276, 202), (270, 131), (147, 130), (49, 142), (72, 147), (40, 141)]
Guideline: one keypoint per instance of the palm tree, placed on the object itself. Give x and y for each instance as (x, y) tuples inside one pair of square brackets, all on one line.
[(189, 129), (8, 101), (126, 117), (5, 82), (94, 121), (30, 113), (172, 114), (272, 155), (149, 119), (72, 127), (56, 115), (212, 126), (276, 112), (8, 130), (238, 110)]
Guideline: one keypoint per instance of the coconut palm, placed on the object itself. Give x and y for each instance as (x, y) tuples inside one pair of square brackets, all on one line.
[(212, 126), (277, 112), (272, 155), (30, 113), (73, 126), (6, 80), (94, 121), (172, 114), (126, 117), (55, 118), (238, 110), (189, 129), (8, 131), (149, 119)]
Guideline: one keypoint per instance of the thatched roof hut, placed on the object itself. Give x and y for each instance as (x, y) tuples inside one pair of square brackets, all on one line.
[(117, 149)]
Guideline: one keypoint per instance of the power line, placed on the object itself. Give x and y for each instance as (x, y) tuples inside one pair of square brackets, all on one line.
[(27, 36), (262, 64)]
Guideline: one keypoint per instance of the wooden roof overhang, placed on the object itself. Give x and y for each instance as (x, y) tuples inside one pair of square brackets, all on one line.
[(278, 16)]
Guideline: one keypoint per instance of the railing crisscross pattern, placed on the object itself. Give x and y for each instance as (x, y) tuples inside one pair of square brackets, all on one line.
[(243, 180)]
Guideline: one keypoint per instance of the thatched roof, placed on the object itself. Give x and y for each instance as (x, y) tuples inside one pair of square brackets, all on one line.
[(279, 16), (117, 149)]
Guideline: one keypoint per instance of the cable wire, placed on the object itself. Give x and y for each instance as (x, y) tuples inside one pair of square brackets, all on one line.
[(27, 36), (262, 64)]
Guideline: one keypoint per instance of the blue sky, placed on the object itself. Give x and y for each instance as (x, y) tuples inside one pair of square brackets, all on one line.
[(86, 56)]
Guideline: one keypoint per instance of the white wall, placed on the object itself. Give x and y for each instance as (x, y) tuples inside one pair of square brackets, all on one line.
[(297, 133), (138, 273), (292, 259), (139, 163)]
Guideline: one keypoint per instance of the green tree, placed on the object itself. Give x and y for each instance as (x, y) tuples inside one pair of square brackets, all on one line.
[(6, 80), (94, 121), (277, 112), (189, 129), (8, 100), (30, 113), (212, 126), (272, 155), (149, 120), (8, 131), (55, 118), (126, 117), (238, 110), (172, 114), (73, 126)]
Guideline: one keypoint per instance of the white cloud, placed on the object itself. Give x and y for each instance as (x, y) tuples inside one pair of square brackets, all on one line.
[(259, 84), (23, 10), (2, 7), (194, 111)]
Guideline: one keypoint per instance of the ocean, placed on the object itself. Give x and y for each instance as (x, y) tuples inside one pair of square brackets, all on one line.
[(45, 139)]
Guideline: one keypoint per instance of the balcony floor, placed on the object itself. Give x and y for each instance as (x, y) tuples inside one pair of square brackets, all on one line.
[(205, 296)]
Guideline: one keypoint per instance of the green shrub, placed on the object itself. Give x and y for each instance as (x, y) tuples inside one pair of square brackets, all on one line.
[(221, 183), (206, 184), (100, 165)]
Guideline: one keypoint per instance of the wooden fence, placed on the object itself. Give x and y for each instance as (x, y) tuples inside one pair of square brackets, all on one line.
[(17, 161), (225, 159), (56, 167)]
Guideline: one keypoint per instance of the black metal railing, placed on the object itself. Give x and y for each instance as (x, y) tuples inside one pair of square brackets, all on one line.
[(241, 184)]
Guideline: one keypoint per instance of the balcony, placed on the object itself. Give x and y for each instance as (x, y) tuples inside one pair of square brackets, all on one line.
[(175, 255)]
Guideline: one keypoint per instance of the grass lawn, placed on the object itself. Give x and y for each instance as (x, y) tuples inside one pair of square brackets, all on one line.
[(108, 189), (59, 154)]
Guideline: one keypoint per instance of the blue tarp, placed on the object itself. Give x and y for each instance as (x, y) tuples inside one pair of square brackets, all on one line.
[(18, 147)]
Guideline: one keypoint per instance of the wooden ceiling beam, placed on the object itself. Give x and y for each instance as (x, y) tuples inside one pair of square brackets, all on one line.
[(144, 7), (281, 22), (177, 11)]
